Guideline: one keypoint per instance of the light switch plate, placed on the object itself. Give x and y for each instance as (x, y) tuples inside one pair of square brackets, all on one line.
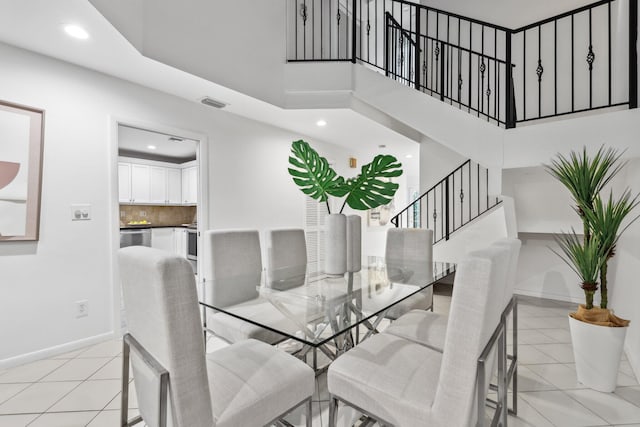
[(80, 212)]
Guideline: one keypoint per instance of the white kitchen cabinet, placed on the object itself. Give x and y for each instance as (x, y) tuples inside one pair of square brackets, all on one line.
[(166, 185), (190, 185), (124, 182), (140, 183), (163, 239), (158, 185), (174, 186), (149, 184), (180, 242)]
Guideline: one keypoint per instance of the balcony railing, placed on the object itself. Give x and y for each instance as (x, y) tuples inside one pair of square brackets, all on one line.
[(456, 200), (581, 60)]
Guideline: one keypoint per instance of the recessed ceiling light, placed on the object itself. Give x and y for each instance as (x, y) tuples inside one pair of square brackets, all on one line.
[(409, 156), (151, 147), (321, 123), (76, 32)]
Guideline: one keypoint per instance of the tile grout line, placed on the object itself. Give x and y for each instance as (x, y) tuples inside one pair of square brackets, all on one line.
[(562, 391), (74, 388)]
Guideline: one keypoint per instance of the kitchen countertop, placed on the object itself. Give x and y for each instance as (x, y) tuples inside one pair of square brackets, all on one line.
[(139, 226)]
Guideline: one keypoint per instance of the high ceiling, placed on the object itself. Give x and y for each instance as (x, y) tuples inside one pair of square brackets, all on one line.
[(108, 51), (507, 13)]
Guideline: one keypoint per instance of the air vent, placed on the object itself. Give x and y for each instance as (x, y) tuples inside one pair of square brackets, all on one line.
[(212, 102), (175, 139)]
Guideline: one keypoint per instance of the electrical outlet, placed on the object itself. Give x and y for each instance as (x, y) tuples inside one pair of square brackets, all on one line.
[(82, 308), (80, 212), (143, 214)]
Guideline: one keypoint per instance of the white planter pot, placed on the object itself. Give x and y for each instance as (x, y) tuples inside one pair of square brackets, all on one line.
[(335, 254), (343, 244), (597, 351)]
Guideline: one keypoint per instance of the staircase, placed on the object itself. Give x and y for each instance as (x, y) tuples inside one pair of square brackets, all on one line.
[(581, 60), (456, 200)]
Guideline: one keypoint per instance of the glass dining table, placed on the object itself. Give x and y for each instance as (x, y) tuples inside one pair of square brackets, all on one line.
[(330, 314)]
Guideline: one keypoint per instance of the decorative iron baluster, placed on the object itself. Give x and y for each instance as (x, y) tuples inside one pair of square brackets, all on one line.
[(338, 16), (539, 70), (591, 57), (482, 68), (437, 51), (368, 27), (459, 83), (303, 13)]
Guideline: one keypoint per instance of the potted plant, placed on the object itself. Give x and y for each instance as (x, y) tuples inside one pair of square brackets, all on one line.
[(596, 333), (368, 190)]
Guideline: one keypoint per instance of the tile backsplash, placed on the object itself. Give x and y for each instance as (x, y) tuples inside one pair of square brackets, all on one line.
[(158, 215)]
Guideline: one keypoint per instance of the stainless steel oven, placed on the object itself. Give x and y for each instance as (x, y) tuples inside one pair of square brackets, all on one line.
[(192, 244)]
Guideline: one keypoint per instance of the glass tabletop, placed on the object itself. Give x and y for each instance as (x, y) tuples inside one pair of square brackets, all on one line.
[(317, 309)]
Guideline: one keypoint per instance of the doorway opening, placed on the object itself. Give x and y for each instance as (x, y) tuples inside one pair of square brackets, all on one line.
[(159, 193)]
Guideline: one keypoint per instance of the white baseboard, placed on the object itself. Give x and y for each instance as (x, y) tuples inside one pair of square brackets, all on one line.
[(54, 351), (546, 295)]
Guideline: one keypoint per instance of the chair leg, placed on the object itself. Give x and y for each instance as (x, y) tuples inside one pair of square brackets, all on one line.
[(124, 395), (309, 412), (514, 379), (333, 412)]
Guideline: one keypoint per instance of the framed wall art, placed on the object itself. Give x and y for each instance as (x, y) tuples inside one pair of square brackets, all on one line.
[(21, 145)]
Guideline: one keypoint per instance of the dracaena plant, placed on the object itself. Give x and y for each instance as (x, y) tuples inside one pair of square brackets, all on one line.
[(585, 259), (317, 179), (585, 177)]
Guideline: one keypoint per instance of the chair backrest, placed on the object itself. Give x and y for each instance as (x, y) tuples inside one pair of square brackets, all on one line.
[(286, 258), (233, 266), (409, 254), (476, 305), (513, 245), (409, 244), (161, 302)]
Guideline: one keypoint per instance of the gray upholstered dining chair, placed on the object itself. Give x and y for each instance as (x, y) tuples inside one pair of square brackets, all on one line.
[(402, 383), (232, 274), (246, 384), (410, 247), (286, 258), (429, 329)]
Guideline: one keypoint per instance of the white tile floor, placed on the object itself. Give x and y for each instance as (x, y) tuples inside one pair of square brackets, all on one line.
[(82, 388)]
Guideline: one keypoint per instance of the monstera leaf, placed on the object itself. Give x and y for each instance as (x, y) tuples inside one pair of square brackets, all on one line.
[(368, 190), (313, 174)]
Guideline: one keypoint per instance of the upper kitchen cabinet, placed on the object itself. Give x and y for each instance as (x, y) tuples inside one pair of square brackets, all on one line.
[(190, 185), (140, 184), (124, 182), (133, 183), (174, 186), (166, 185), (157, 185)]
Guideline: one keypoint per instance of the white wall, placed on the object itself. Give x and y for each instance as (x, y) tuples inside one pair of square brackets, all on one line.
[(249, 186), (624, 292)]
